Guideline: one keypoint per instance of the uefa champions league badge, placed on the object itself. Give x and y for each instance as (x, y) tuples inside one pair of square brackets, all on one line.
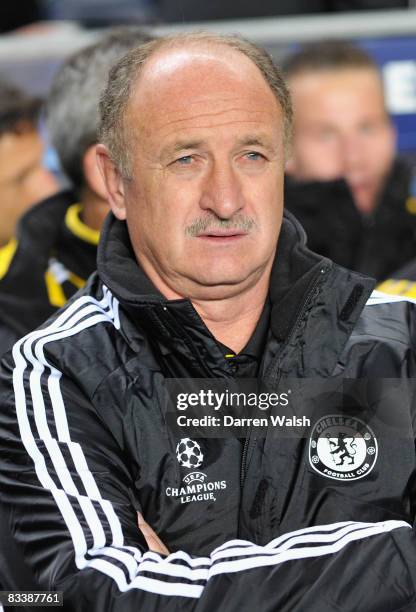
[(196, 486), (342, 448)]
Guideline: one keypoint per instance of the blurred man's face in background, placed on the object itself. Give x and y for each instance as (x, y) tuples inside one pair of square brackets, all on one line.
[(23, 179), (342, 130)]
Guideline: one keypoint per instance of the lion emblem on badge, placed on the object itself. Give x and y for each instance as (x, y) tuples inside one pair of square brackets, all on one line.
[(344, 447)]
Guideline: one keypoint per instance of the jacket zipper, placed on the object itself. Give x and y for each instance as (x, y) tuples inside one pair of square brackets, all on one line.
[(243, 462), (319, 278)]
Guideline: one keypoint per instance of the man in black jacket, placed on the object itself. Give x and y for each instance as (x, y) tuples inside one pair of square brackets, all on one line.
[(201, 276), (55, 248), (345, 185)]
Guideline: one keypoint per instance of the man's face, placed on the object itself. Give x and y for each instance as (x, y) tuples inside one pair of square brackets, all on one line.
[(204, 204), (342, 130), (23, 180)]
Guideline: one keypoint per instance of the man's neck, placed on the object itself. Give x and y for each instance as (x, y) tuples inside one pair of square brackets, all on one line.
[(232, 320), (230, 313)]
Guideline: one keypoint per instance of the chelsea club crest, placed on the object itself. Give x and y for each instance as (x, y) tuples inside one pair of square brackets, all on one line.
[(342, 448)]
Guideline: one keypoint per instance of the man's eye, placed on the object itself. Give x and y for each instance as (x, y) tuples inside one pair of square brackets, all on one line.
[(254, 155), (184, 161)]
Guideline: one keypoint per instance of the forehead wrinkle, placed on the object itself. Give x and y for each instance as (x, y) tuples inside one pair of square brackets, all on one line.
[(208, 126), (217, 105), (199, 98), (189, 143), (170, 119), (201, 121), (220, 112)]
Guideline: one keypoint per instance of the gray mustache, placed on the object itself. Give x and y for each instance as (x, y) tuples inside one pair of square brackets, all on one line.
[(239, 222)]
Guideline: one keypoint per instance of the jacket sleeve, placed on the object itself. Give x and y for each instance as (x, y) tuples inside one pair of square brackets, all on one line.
[(65, 485), (7, 338)]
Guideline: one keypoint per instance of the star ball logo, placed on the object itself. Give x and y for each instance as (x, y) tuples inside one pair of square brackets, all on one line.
[(188, 453)]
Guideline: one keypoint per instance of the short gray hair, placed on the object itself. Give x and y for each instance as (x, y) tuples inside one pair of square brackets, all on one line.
[(72, 105), (115, 98)]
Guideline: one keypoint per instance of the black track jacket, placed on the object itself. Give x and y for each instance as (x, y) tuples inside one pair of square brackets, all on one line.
[(48, 261), (84, 445)]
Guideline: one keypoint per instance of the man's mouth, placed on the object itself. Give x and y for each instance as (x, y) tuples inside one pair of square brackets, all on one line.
[(222, 236)]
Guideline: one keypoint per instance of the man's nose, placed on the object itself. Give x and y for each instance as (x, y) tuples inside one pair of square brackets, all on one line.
[(351, 152), (222, 193)]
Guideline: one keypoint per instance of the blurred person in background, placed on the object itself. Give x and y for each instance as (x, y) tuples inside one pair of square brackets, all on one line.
[(56, 244), (346, 184), (55, 247), (23, 178), (23, 182)]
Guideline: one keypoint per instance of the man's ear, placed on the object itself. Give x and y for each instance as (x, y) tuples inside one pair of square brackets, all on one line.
[(92, 173), (112, 180)]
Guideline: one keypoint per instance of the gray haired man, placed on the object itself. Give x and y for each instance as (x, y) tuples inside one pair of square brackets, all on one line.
[(56, 243)]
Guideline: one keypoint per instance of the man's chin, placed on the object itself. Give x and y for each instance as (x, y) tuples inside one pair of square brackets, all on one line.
[(365, 195), (219, 286), (365, 200)]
